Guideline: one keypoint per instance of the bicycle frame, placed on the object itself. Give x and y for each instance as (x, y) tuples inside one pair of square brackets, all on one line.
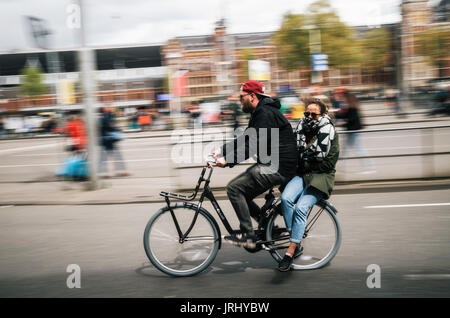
[(271, 234), (207, 192)]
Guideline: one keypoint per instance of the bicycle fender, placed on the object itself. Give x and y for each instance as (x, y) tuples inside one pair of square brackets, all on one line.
[(324, 203)]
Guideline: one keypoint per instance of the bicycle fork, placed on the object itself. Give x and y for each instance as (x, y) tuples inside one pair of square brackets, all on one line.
[(181, 236)]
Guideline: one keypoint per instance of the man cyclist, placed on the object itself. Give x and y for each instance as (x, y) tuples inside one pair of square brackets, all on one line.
[(266, 121)]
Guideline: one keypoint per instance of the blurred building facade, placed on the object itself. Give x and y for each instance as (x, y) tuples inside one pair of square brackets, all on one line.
[(214, 66), (417, 17), (215, 63), (126, 77), (442, 11)]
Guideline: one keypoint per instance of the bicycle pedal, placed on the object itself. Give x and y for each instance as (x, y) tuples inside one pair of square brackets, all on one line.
[(245, 244)]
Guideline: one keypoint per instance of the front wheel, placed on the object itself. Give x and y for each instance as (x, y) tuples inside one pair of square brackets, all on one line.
[(320, 243), (179, 256)]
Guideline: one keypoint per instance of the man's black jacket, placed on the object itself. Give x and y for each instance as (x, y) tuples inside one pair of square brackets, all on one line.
[(257, 139)]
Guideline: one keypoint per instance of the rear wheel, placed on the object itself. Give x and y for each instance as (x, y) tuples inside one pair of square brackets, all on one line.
[(175, 256), (320, 243)]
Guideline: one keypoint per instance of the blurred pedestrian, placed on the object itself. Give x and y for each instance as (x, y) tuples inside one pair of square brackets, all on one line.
[(297, 109), (392, 100), (133, 118), (350, 113), (337, 98), (76, 131), (144, 120), (110, 137), (441, 101), (194, 113), (2, 127), (75, 166), (235, 111), (49, 125)]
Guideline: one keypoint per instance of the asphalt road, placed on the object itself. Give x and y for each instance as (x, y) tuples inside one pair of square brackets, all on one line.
[(404, 233)]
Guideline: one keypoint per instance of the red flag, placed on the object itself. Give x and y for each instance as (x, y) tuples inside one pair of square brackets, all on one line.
[(179, 83)]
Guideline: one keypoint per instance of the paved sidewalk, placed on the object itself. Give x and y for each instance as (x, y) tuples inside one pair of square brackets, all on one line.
[(111, 191), (146, 190)]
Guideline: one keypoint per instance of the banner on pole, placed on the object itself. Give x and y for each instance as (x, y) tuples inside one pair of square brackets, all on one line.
[(67, 92), (319, 62), (180, 83), (259, 70)]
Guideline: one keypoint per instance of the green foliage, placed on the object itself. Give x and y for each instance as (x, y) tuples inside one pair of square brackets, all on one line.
[(166, 84), (292, 41), (32, 82), (247, 55), (377, 49), (337, 39), (434, 44)]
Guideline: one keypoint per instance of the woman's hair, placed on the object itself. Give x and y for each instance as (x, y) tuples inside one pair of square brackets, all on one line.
[(317, 101)]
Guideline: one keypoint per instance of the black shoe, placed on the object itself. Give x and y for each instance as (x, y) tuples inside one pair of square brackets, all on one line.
[(298, 251), (285, 263), (245, 240)]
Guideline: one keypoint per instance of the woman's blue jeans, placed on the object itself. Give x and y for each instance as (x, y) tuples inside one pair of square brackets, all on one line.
[(303, 199)]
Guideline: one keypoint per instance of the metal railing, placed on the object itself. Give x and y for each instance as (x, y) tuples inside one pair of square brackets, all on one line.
[(427, 168)]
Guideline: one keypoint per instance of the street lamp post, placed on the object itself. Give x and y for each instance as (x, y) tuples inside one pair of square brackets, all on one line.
[(87, 61), (314, 48)]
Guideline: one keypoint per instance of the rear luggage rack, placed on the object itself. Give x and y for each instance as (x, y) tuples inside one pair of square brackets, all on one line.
[(191, 197), (178, 196)]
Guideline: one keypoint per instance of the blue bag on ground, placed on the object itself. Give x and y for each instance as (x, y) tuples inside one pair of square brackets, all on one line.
[(76, 168)]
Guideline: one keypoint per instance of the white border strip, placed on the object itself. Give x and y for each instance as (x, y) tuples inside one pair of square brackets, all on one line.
[(405, 205)]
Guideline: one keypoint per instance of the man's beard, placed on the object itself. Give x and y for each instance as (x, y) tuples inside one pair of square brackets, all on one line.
[(247, 107)]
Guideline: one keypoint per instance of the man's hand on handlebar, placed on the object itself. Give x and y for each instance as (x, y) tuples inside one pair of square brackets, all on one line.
[(219, 161)]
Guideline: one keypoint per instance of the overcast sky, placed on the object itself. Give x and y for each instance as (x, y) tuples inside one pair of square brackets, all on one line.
[(124, 22)]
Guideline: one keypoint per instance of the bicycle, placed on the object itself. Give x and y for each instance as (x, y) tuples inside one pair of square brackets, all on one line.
[(183, 239)]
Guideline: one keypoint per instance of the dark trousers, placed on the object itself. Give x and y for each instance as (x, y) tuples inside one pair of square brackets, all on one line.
[(247, 186)]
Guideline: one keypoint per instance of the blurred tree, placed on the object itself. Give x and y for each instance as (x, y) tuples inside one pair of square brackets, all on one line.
[(32, 85), (377, 50), (247, 55), (292, 42), (434, 43), (337, 39), (166, 84)]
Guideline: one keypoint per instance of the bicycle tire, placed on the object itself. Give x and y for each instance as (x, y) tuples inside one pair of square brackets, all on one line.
[(319, 246), (164, 249)]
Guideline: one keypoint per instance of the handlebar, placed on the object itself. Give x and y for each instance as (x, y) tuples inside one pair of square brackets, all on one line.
[(210, 159)]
